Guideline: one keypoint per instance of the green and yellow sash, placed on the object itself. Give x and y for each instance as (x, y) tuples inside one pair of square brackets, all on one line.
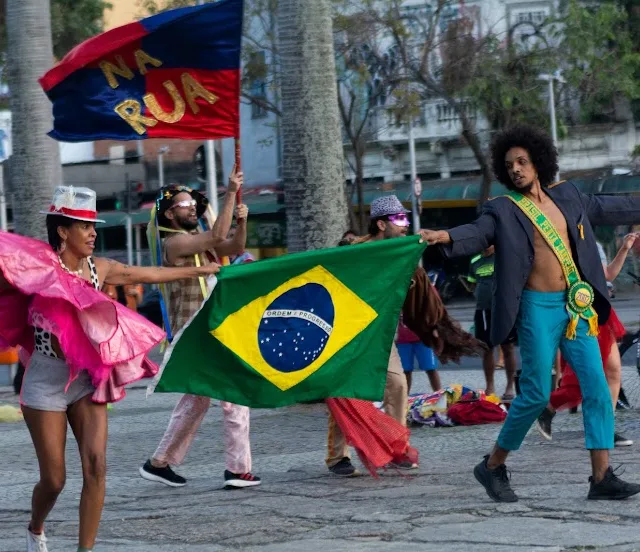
[(581, 295)]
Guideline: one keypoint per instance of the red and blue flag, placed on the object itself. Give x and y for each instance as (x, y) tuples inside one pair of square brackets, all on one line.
[(171, 75)]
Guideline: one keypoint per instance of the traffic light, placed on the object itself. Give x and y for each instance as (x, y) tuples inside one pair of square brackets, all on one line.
[(131, 198), (200, 163), (136, 195), (120, 201), (112, 203)]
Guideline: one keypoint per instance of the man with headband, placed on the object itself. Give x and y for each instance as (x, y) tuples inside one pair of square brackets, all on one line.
[(179, 210)]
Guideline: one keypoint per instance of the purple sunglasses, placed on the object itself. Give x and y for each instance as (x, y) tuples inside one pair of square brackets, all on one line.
[(399, 219)]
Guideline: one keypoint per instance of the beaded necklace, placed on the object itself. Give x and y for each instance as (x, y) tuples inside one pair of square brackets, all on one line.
[(79, 272)]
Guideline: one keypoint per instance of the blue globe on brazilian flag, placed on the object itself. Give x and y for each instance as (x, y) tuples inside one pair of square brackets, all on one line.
[(297, 328)]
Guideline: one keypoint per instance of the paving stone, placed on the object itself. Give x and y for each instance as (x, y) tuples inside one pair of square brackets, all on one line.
[(300, 506)]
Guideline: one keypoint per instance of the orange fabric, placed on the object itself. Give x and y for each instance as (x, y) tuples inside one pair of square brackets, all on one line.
[(133, 294), (9, 356)]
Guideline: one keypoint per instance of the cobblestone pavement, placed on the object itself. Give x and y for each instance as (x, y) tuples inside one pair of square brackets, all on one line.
[(300, 506)]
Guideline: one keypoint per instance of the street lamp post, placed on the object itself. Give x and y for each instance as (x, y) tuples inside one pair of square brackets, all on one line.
[(161, 152), (550, 78), (414, 176), (4, 225), (415, 210)]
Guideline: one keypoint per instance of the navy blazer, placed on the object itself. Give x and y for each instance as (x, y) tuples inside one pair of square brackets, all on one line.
[(504, 225)]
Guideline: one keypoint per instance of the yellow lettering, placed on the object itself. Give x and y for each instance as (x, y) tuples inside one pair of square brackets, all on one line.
[(143, 59), (110, 71), (156, 110), (193, 89), (131, 112)]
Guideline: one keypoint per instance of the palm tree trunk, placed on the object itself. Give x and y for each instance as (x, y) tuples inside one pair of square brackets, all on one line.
[(362, 220), (312, 143), (35, 163), (471, 137)]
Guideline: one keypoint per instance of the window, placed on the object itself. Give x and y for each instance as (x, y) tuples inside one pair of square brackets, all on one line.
[(257, 69), (524, 23), (377, 93), (534, 17), (447, 114)]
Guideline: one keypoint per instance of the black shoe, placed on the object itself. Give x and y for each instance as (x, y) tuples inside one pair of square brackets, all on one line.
[(623, 402), (163, 475), (543, 424), (344, 468), (495, 482), (620, 441), (611, 488), (240, 480), (403, 463)]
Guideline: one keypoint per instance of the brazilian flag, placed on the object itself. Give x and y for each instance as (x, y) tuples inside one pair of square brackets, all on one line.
[(296, 328)]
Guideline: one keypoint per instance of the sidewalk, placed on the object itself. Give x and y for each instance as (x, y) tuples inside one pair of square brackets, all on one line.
[(438, 508)]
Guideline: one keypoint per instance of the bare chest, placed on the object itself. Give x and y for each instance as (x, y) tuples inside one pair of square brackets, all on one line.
[(556, 218)]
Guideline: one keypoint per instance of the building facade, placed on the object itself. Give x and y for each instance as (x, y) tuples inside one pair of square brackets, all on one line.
[(445, 164)]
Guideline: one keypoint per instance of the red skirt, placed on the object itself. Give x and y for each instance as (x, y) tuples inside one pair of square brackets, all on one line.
[(568, 395)]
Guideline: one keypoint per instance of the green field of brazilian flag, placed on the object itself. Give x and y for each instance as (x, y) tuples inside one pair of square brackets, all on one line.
[(296, 328)]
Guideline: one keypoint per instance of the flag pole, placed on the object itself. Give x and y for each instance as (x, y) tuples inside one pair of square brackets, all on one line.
[(210, 164), (238, 168)]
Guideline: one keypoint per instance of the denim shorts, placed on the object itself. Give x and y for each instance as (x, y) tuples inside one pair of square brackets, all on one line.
[(44, 383), (419, 351)]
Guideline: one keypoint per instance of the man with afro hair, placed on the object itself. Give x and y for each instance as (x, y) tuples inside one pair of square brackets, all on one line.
[(549, 285)]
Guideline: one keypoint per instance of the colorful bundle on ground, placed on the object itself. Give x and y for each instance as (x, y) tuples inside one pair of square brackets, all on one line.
[(437, 409)]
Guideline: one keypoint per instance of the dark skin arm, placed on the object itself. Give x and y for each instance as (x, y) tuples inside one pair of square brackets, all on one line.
[(236, 244), (186, 245), (115, 273)]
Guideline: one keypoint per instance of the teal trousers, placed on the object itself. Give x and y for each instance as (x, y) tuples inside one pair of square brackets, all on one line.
[(542, 323)]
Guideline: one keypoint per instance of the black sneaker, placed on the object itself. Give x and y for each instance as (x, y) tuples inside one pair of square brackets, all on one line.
[(620, 441), (240, 480), (344, 468), (495, 482), (623, 402), (163, 475), (611, 488), (403, 463), (543, 424)]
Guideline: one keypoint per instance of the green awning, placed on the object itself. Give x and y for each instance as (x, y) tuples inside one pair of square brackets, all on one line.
[(119, 218), (621, 184), (460, 189), (449, 192)]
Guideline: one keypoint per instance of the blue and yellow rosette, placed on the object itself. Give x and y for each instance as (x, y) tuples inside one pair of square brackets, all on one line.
[(580, 305)]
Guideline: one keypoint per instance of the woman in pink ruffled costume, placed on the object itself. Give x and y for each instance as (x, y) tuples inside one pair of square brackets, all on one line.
[(80, 347)]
